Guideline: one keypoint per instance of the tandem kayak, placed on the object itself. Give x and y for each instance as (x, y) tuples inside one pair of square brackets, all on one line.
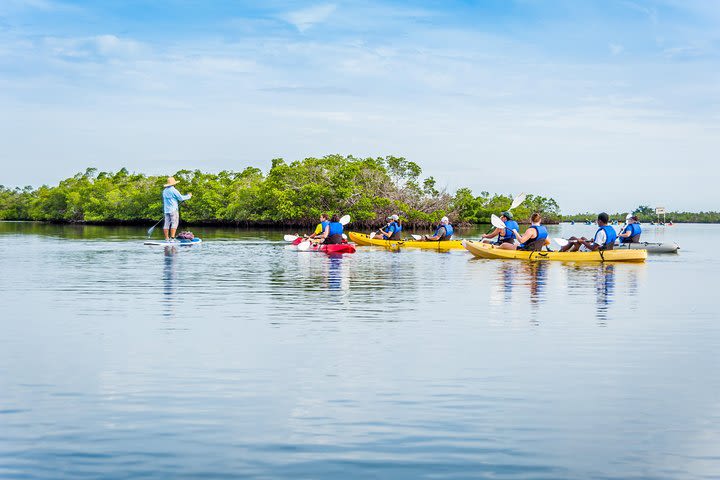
[(176, 243), (650, 247), (486, 250), (363, 239), (327, 248)]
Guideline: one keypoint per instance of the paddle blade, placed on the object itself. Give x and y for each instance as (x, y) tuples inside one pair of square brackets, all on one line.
[(344, 236), (150, 230), (372, 235), (290, 238), (345, 219), (517, 201), (496, 222), (416, 237), (560, 241), (302, 246)]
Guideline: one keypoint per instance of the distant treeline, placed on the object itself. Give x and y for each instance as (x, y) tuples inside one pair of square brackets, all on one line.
[(368, 189), (646, 215)]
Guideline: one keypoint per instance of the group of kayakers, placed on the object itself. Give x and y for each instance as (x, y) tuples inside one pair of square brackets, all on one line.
[(443, 231), (330, 230)]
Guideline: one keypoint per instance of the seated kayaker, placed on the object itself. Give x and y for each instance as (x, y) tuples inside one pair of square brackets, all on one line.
[(324, 221), (507, 234), (392, 230), (443, 232), (332, 235), (604, 238), (631, 232), (534, 238)]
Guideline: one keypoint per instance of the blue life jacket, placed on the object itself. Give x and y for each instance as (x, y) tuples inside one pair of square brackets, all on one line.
[(336, 228), (610, 234), (635, 232), (448, 231), (394, 227), (539, 241), (510, 225), (323, 225)]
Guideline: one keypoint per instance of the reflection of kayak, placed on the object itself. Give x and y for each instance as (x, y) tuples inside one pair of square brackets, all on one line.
[(362, 239), (336, 248), (331, 248), (485, 250), (650, 247), (176, 243)]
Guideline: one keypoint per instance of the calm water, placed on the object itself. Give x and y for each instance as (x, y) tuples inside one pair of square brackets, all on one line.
[(242, 358)]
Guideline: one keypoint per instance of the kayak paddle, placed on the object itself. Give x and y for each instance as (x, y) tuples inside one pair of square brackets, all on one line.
[(561, 241), (372, 235), (416, 237), (345, 219), (150, 230), (517, 201), (290, 238)]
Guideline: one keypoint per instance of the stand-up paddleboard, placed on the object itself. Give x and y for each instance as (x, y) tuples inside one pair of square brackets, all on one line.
[(176, 243)]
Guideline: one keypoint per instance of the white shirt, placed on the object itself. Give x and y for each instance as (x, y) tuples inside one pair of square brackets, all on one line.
[(600, 239)]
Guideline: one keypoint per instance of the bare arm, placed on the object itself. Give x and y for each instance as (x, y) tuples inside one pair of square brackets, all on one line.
[(529, 234), (494, 233)]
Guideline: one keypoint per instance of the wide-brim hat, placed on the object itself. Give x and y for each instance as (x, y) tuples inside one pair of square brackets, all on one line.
[(507, 215), (170, 182)]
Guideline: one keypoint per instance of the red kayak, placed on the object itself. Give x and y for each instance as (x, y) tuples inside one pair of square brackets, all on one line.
[(329, 248)]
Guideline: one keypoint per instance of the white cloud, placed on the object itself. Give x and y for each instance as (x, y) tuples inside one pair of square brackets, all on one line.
[(108, 46), (308, 17)]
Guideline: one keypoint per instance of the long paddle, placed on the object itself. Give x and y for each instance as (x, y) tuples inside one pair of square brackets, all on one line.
[(150, 230)]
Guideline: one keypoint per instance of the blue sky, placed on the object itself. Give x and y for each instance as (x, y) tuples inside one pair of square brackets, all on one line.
[(601, 104)]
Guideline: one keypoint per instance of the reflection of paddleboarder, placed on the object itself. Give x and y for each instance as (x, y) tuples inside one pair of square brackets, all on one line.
[(171, 206)]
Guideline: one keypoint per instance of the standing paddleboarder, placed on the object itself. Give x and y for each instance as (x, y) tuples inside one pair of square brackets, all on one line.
[(171, 206)]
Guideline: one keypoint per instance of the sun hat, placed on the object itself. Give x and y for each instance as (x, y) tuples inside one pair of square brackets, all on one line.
[(507, 215), (393, 217), (170, 182), (445, 220), (629, 216)]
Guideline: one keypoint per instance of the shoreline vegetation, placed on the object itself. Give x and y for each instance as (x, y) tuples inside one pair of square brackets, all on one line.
[(289, 194), (647, 215)]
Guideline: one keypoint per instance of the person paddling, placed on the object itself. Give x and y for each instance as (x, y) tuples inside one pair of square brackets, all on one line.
[(443, 232), (604, 238), (324, 222), (507, 234), (332, 235), (392, 230), (534, 238), (632, 231), (171, 206)]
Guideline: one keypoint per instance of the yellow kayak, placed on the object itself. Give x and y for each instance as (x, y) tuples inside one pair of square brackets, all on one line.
[(485, 250), (362, 239)]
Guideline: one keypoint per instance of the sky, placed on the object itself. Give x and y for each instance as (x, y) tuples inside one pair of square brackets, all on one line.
[(602, 105)]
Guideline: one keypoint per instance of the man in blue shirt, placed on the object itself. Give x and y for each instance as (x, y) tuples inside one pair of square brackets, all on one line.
[(171, 199)]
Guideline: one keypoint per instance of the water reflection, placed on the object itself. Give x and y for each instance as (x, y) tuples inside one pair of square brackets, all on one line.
[(513, 274), (535, 276), (604, 290), (170, 280)]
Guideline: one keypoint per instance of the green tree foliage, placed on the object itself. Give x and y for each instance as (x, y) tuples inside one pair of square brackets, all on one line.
[(368, 189)]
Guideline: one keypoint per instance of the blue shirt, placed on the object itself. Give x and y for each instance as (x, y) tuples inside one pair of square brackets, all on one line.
[(171, 197)]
